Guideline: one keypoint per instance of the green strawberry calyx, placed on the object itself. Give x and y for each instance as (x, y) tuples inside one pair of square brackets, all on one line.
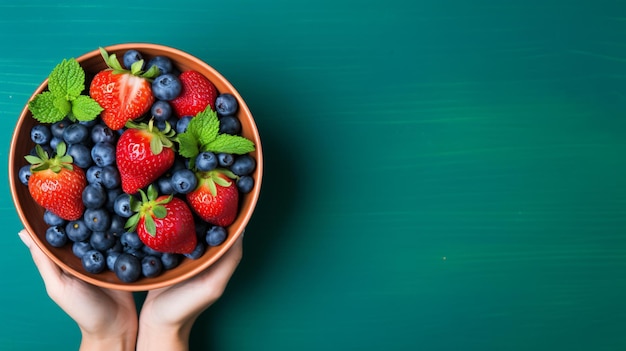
[(42, 161), (147, 208), (136, 68), (160, 138), (211, 178)]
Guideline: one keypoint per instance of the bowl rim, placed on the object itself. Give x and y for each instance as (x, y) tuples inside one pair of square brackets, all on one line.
[(244, 214)]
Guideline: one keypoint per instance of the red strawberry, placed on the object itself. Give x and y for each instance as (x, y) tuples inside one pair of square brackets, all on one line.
[(197, 93), (216, 198), (56, 184), (143, 153), (124, 95), (163, 223)]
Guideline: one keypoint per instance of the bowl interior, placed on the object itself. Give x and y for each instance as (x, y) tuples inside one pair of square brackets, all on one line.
[(31, 214)]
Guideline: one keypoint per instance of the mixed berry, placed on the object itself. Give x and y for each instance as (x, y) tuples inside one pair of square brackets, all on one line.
[(140, 170)]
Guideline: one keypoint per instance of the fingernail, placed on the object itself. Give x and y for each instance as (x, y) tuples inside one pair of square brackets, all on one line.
[(23, 236)]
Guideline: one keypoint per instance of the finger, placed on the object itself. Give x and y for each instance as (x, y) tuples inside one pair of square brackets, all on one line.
[(49, 271)]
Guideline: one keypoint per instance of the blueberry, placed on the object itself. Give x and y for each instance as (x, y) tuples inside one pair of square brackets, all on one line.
[(77, 230), (93, 261), (161, 110), (230, 125), (168, 123), (184, 181), (80, 248), (206, 161), (225, 159), (170, 260), (57, 128), (216, 235), (75, 133), (117, 225), (97, 219), (127, 268), (197, 252), (46, 148), (112, 194), (111, 177), (139, 253), (103, 154), (52, 219), (102, 240), (89, 124), (151, 266), (121, 206), (111, 257), (101, 133), (166, 87), (54, 142), (94, 174), (24, 174), (150, 251), (117, 247), (131, 240), (226, 104), (94, 196), (40, 134), (130, 57), (245, 184), (56, 236), (183, 123), (243, 165), (162, 62), (81, 155), (164, 184)]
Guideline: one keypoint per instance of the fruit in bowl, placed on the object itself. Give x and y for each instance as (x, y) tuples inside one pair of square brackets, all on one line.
[(135, 166)]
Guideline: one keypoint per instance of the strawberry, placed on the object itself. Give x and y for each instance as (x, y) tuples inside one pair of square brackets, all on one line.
[(143, 153), (163, 223), (56, 184), (197, 93), (216, 198), (124, 95)]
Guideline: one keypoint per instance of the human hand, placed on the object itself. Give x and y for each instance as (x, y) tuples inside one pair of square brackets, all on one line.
[(168, 313), (107, 318)]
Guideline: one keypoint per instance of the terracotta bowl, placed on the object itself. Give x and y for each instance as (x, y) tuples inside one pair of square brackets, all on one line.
[(31, 214)]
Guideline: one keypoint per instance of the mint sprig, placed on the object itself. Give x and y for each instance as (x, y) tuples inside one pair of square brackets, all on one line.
[(202, 134), (63, 98)]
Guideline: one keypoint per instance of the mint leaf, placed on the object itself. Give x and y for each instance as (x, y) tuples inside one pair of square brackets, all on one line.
[(43, 108), (231, 144), (67, 79), (61, 104), (188, 145), (205, 126), (84, 108)]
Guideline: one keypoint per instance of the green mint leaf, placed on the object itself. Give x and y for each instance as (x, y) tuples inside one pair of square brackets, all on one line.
[(84, 108), (231, 144), (43, 108), (188, 145), (207, 126), (61, 104), (67, 79)]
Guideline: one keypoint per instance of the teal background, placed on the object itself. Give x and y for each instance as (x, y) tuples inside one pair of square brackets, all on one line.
[(440, 175)]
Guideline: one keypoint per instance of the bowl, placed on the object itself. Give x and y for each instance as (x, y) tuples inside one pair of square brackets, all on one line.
[(31, 214)]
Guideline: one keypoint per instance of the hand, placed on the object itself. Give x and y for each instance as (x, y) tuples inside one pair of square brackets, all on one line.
[(107, 318), (168, 313)]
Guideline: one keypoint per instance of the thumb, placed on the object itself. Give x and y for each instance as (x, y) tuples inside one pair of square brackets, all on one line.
[(50, 272)]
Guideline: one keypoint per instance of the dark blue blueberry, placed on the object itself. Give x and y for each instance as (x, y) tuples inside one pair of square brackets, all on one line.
[(216, 235), (94, 174), (112, 194), (230, 125), (94, 196), (182, 124), (117, 247), (24, 174), (184, 181), (151, 252), (80, 248), (52, 218), (101, 133), (81, 155), (206, 161), (75, 133), (127, 268), (161, 110), (77, 230), (166, 87), (225, 159), (40, 134), (111, 177), (93, 261), (226, 104), (46, 148), (111, 257), (103, 154), (170, 260), (54, 142), (139, 253), (243, 165), (130, 57), (117, 226), (121, 206), (98, 219), (89, 124), (151, 266), (56, 236), (164, 184), (131, 240), (57, 128), (245, 184), (197, 252), (102, 240), (162, 62)]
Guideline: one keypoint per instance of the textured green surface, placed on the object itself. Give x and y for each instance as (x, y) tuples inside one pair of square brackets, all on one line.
[(440, 175)]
